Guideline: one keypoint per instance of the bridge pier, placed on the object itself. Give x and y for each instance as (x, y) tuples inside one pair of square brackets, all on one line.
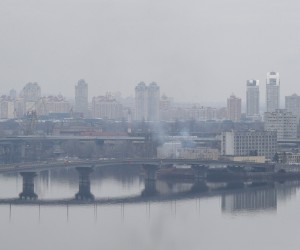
[(150, 179), (28, 186), (84, 192)]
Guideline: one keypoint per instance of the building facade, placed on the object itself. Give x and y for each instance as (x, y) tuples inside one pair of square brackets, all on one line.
[(234, 108), (249, 143), (272, 91), (56, 104), (107, 107), (141, 102), (7, 108), (153, 102), (283, 122), (197, 113), (31, 92), (292, 104), (176, 150), (252, 99), (147, 100), (81, 97)]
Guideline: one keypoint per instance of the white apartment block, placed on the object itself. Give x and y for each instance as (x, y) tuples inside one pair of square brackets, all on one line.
[(247, 143), (197, 113), (107, 107), (283, 122), (56, 104)]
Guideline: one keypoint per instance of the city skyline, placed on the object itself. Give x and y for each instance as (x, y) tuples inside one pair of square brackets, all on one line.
[(262, 100), (115, 45), (217, 102), (143, 124)]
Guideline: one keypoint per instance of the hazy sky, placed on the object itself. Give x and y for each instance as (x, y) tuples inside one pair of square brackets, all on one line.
[(195, 50)]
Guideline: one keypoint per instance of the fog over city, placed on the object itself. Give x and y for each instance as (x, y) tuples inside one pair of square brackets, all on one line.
[(197, 51), (149, 125)]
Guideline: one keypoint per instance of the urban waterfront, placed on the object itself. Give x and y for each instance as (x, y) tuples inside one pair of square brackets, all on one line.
[(261, 217)]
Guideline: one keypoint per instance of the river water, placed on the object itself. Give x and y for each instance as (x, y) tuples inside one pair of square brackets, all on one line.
[(257, 217)]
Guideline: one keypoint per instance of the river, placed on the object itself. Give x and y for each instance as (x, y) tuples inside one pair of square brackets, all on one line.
[(263, 216)]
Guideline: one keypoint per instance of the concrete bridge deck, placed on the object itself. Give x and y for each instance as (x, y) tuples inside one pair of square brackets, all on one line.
[(38, 166)]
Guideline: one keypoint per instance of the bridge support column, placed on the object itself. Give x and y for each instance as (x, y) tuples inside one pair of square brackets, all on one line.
[(28, 186), (150, 179), (84, 192)]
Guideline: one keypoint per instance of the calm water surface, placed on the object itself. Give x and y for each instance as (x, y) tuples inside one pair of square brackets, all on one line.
[(265, 217)]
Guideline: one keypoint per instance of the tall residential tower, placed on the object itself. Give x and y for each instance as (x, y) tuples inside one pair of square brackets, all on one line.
[(153, 102), (234, 108), (272, 91), (147, 102), (81, 97), (252, 99)]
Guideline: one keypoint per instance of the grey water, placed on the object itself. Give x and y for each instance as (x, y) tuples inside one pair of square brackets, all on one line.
[(261, 217)]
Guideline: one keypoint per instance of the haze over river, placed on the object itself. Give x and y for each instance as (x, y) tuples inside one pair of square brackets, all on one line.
[(258, 217)]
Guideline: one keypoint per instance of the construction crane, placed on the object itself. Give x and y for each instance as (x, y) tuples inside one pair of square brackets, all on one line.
[(31, 117), (30, 122)]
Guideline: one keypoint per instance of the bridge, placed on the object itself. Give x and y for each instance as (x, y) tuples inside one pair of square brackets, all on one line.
[(198, 190), (199, 187), (64, 138), (36, 166)]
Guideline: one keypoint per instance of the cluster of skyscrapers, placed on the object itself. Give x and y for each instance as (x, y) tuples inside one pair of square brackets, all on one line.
[(253, 98), (148, 105)]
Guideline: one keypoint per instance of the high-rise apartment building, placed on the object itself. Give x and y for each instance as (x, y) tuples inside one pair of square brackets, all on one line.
[(283, 122), (141, 102), (234, 108), (147, 100), (31, 92), (252, 99), (81, 97), (273, 91), (153, 102), (292, 104)]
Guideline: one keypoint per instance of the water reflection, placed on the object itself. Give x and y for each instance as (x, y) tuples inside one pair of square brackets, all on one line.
[(84, 185), (176, 216), (263, 198)]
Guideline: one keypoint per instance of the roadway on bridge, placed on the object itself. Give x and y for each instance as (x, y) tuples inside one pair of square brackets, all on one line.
[(38, 166)]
